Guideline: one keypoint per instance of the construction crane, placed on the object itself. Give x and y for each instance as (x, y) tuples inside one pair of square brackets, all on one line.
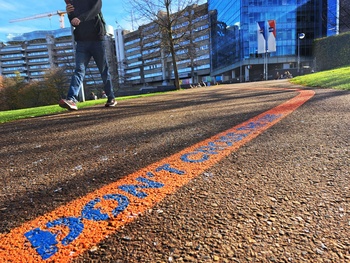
[(59, 13)]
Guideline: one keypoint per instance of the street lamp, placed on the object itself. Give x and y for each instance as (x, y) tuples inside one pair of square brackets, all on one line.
[(300, 36)]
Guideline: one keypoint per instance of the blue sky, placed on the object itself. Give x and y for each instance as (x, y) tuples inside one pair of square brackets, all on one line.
[(14, 9)]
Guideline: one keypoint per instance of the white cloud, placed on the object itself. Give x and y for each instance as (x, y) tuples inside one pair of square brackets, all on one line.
[(6, 6)]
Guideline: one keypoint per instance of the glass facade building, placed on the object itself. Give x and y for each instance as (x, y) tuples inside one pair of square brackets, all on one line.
[(235, 43)]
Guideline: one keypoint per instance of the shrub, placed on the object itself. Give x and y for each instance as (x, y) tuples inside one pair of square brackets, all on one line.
[(16, 93)]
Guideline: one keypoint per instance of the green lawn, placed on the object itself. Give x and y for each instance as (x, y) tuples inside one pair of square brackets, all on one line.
[(11, 115), (335, 79)]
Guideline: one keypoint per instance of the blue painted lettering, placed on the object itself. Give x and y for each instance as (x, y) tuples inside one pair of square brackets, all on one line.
[(216, 143), (132, 189), (166, 167), (75, 228), (122, 200), (235, 137), (92, 213), (150, 174), (207, 149), (44, 242), (203, 157)]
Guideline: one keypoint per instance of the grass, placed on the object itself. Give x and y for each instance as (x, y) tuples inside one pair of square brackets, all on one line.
[(335, 79), (12, 115)]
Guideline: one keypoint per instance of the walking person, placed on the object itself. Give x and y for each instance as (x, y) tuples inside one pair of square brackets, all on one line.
[(89, 34)]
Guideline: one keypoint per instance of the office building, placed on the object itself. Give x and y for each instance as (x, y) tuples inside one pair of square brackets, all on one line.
[(235, 54), (143, 61), (30, 55)]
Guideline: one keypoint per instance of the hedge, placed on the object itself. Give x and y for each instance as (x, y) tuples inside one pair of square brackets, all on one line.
[(332, 52)]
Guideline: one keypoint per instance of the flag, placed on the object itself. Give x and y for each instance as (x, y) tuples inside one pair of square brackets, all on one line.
[(261, 37), (271, 38)]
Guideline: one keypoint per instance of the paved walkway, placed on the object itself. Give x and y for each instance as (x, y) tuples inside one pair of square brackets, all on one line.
[(255, 172)]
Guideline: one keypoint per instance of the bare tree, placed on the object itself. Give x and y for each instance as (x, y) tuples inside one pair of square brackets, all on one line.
[(169, 17)]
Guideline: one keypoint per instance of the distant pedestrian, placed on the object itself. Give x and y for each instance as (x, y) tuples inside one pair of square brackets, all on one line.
[(92, 96), (277, 75), (288, 75), (89, 33)]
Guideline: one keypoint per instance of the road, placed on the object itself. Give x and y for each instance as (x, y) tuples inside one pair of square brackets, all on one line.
[(253, 172)]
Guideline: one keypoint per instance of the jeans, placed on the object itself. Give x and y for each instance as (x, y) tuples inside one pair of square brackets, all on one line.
[(84, 51)]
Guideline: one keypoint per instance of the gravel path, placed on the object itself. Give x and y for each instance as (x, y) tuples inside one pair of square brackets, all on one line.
[(282, 197)]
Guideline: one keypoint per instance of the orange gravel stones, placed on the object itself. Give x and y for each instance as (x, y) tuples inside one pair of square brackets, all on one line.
[(71, 229)]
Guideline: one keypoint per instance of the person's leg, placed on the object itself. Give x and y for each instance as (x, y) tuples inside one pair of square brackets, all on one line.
[(99, 54), (82, 58)]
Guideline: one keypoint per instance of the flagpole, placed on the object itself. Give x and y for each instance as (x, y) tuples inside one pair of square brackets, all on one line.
[(266, 64)]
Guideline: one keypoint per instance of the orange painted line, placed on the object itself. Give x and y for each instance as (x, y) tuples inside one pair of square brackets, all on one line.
[(69, 230)]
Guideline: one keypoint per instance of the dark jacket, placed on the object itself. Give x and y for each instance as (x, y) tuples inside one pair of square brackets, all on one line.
[(92, 25)]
